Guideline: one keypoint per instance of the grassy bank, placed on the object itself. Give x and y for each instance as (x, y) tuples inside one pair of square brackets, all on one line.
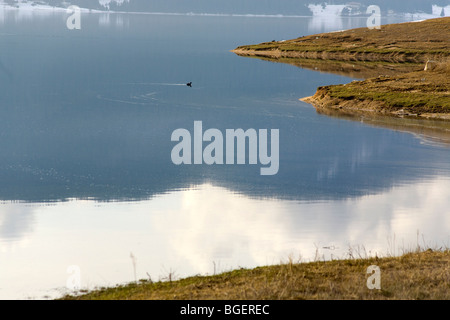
[(418, 275), (404, 42), (392, 59), (416, 94)]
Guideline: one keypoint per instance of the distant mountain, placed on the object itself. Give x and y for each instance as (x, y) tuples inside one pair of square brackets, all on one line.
[(356, 8), (268, 7)]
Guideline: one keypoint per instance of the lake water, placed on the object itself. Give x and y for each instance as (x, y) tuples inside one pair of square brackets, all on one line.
[(88, 190)]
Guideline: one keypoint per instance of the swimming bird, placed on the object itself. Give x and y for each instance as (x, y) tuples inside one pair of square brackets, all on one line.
[(189, 84)]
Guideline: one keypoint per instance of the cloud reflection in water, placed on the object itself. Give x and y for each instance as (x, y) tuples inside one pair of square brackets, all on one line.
[(207, 229)]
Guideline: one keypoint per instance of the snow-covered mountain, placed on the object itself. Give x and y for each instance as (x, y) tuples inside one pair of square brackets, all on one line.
[(326, 9), (426, 8), (108, 3), (355, 9), (440, 11), (61, 4)]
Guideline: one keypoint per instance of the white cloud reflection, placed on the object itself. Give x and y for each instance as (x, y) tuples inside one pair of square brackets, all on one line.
[(189, 231)]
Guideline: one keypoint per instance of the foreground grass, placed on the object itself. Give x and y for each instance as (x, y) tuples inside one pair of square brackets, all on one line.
[(419, 275)]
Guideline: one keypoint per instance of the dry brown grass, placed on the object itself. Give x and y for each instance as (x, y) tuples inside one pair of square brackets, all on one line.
[(403, 42), (444, 66), (421, 94), (392, 60), (419, 275)]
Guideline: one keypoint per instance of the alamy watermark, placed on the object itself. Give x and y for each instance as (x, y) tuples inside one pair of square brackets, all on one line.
[(74, 20), (73, 282), (191, 150), (374, 21), (374, 280)]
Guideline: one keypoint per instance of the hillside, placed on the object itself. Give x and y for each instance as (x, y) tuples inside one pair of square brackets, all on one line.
[(418, 275), (392, 59), (413, 42)]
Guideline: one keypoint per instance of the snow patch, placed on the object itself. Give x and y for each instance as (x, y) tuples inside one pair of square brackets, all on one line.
[(106, 3), (440, 11), (327, 9)]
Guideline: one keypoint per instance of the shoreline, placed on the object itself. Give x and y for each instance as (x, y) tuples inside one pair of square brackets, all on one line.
[(406, 68), (418, 94), (368, 107), (414, 42), (430, 129)]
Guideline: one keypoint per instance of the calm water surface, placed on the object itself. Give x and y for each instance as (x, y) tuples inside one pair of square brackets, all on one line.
[(86, 177)]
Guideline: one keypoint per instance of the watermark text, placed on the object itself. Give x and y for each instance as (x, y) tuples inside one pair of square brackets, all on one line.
[(74, 20), (229, 148), (374, 21), (374, 280)]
